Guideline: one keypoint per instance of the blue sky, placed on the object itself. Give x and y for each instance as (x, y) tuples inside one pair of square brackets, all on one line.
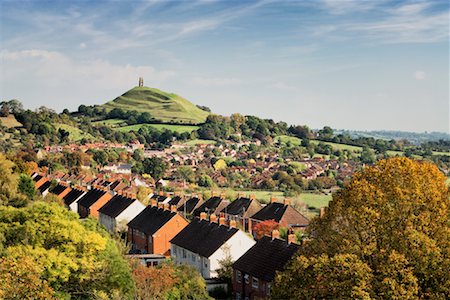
[(349, 64)]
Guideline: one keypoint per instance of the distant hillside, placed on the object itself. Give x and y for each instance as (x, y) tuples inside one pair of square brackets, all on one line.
[(10, 121), (163, 107), (414, 137)]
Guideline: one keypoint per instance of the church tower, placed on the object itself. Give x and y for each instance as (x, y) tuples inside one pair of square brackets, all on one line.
[(141, 81)]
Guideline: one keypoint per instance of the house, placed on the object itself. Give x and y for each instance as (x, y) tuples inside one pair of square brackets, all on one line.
[(71, 199), (241, 209), (152, 229), (60, 190), (282, 213), (118, 169), (43, 188), (39, 180), (177, 201), (254, 271), (89, 204), (118, 211), (203, 244), (192, 203), (211, 206)]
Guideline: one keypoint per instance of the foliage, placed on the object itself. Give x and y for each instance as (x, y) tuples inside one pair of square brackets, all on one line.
[(73, 258), (168, 281), (155, 167), (220, 164), (265, 228), (26, 186), (394, 218)]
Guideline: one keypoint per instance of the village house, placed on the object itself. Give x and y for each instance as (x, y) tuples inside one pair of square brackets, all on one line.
[(241, 209), (282, 213), (254, 272), (60, 190), (44, 188), (89, 204), (203, 244), (118, 169), (118, 211), (192, 203), (212, 206), (152, 229), (71, 199)]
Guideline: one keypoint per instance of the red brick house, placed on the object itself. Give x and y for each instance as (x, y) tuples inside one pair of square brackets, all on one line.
[(152, 229), (92, 201)]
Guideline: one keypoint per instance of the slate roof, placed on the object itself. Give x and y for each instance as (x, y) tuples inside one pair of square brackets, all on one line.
[(265, 258), (37, 178), (58, 189), (277, 211), (72, 196), (114, 184), (90, 198), (151, 219), (175, 201), (158, 198), (203, 237), (237, 206), (116, 206), (211, 205), (190, 205), (44, 186)]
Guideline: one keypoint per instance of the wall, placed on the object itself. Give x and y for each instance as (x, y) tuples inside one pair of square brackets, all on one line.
[(162, 237)]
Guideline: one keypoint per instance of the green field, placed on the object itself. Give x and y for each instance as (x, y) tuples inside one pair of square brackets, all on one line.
[(285, 139), (296, 141), (10, 121), (75, 134), (311, 199), (109, 122), (161, 127), (441, 153), (164, 107), (200, 142)]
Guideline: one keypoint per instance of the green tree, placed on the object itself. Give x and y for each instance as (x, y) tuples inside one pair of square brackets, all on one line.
[(155, 167), (394, 218), (186, 173), (26, 186)]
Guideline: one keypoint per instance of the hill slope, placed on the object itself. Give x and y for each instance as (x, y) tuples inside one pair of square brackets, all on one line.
[(164, 107)]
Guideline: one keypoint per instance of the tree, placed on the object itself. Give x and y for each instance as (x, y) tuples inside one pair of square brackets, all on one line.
[(205, 181), (368, 155), (220, 165), (394, 218), (75, 259), (265, 228), (26, 186), (155, 167), (185, 173)]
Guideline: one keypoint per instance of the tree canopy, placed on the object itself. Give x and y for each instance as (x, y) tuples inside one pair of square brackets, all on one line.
[(392, 222)]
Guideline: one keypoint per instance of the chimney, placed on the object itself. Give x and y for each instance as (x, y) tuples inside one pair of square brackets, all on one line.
[(154, 203), (173, 208), (275, 234), (249, 226), (292, 238), (166, 206), (322, 212), (222, 221), (202, 216), (273, 199), (213, 218), (286, 201), (233, 224), (160, 205), (252, 197), (222, 195)]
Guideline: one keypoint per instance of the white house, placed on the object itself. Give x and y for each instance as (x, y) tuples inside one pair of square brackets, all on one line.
[(118, 211), (202, 244), (118, 169), (71, 199)]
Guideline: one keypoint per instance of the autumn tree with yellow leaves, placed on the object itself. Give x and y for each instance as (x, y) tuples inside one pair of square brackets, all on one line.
[(386, 235)]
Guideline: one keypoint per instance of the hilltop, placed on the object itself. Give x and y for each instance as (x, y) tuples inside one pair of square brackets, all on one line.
[(163, 107)]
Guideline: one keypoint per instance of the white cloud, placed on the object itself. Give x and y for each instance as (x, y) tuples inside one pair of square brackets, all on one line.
[(203, 81), (83, 45), (420, 75), (55, 80)]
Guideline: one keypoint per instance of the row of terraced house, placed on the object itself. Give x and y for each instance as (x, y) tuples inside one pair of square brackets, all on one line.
[(191, 230)]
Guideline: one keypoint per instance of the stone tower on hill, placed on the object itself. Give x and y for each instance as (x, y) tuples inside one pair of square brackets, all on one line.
[(141, 81)]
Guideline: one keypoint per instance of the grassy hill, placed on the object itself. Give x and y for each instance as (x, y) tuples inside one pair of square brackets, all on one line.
[(163, 107), (10, 121)]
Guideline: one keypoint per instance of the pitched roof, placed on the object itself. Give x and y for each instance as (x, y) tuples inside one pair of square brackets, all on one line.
[(44, 186), (211, 205), (72, 196), (203, 237), (116, 206), (276, 211), (177, 200), (58, 189), (190, 205), (151, 219), (91, 197), (37, 178), (240, 206), (266, 257)]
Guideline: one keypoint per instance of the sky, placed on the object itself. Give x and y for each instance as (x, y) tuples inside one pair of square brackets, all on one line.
[(348, 64)]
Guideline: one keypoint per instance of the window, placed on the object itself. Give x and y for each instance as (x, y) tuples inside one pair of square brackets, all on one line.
[(184, 253), (255, 282), (206, 262), (246, 278), (238, 276)]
